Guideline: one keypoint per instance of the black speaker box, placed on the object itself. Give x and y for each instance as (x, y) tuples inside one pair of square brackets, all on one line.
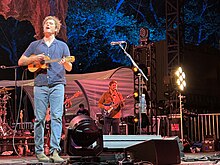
[(157, 151)]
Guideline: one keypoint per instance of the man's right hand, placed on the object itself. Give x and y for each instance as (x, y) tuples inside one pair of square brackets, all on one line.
[(107, 107), (38, 58)]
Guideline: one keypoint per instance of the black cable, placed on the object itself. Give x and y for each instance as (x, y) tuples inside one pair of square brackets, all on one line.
[(16, 121)]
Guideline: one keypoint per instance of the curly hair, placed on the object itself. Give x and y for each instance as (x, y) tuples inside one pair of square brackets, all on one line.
[(56, 20), (113, 82)]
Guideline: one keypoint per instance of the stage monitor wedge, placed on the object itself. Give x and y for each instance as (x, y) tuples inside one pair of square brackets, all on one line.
[(156, 151)]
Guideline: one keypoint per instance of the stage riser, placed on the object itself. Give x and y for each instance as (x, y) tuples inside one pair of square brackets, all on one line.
[(114, 142)]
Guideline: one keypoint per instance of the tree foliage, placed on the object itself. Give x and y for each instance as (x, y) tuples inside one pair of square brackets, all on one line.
[(202, 22), (93, 25)]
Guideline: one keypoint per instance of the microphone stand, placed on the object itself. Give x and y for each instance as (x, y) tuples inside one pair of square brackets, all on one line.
[(134, 63), (15, 78), (139, 90)]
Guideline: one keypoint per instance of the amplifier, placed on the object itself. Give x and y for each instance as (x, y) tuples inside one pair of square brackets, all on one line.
[(123, 129), (208, 146)]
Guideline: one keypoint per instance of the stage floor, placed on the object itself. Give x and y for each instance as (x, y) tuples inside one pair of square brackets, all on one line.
[(189, 158)]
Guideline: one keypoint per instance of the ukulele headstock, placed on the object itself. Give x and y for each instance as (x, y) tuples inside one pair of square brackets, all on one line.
[(70, 59)]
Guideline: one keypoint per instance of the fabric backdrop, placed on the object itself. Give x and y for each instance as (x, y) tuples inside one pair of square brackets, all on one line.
[(91, 85)]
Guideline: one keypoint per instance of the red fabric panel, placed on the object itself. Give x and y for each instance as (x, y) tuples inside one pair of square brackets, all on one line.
[(35, 11)]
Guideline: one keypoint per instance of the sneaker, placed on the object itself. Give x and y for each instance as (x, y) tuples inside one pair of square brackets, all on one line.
[(42, 157), (55, 158)]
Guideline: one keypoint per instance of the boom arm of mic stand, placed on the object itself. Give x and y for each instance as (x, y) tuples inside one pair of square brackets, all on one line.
[(133, 62), (10, 67)]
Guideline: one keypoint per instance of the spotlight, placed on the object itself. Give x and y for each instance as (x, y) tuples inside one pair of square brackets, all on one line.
[(83, 137), (135, 119), (136, 95), (135, 70), (180, 81)]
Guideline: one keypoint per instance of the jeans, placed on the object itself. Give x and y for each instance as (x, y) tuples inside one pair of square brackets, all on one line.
[(111, 122), (44, 96)]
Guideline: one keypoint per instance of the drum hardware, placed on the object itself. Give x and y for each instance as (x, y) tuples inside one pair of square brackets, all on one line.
[(15, 85), (4, 127), (4, 89)]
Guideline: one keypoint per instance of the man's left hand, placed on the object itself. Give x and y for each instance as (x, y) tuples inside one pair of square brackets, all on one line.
[(62, 61)]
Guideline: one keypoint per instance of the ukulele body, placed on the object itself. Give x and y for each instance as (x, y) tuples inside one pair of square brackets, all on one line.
[(33, 67)]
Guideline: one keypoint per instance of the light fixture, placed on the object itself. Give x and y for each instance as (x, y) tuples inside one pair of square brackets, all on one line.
[(180, 79), (135, 71), (136, 119), (181, 83), (136, 95), (83, 137), (144, 34)]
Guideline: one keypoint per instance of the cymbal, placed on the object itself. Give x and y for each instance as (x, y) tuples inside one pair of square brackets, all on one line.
[(5, 89)]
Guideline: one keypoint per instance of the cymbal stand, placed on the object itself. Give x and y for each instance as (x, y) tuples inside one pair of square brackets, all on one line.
[(15, 74), (4, 127), (6, 130)]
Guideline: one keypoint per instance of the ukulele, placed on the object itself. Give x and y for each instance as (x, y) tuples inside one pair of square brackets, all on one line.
[(44, 64)]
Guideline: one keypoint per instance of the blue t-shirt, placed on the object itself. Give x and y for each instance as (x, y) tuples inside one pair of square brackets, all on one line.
[(55, 74)]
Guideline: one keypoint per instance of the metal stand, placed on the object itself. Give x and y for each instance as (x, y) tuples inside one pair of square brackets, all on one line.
[(181, 116), (15, 78), (133, 62), (142, 100), (5, 129)]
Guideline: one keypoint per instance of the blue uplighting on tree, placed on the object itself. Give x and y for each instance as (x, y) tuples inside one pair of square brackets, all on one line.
[(202, 22), (92, 25)]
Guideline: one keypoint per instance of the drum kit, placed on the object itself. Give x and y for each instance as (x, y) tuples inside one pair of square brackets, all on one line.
[(5, 129)]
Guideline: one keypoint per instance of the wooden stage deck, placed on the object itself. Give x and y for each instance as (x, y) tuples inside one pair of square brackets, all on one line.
[(189, 158), (114, 152)]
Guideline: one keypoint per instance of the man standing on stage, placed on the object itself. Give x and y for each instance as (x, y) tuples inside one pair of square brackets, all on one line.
[(48, 86), (111, 103)]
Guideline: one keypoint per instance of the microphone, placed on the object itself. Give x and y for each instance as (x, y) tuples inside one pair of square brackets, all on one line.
[(117, 42), (2, 66)]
